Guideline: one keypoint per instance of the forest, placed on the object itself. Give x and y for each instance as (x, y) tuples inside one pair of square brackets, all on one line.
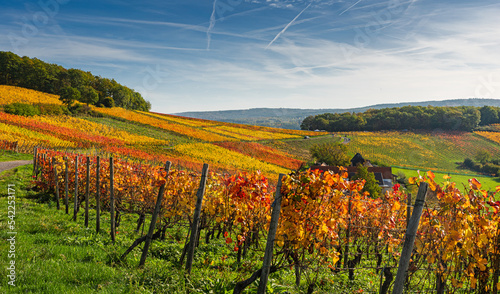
[(460, 118), (32, 73)]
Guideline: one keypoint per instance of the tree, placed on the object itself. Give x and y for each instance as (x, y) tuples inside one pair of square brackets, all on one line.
[(108, 102), (89, 95), (308, 123), (489, 115), (371, 184), (482, 156), (68, 95), (330, 153)]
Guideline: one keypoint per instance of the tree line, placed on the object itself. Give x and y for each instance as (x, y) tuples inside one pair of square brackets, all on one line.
[(460, 118), (32, 73)]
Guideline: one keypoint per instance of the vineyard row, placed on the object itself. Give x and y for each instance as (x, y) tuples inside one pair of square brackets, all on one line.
[(326, 222)]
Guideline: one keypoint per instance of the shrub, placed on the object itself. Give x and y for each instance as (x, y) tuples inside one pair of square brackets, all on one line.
[(52, 109), (491, 168), (80, 109), (469, 163), (330, 153), (22, 109), (109, 102), (371, 184)]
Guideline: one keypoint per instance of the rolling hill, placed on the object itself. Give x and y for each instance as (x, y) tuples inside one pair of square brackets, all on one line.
[(290, 118)]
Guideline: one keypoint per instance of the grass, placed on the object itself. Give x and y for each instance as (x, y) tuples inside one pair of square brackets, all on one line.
[(11, 155), (462, 180)]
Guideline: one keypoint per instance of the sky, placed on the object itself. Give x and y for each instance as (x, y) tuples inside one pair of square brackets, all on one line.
[(197, 55)]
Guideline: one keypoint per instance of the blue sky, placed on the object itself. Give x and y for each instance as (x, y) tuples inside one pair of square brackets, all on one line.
[(236, 54)]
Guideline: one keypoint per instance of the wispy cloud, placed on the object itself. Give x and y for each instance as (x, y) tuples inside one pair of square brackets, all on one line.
[(349, 8), (211, 25), (333, 53), (130, 21), (287, 26)]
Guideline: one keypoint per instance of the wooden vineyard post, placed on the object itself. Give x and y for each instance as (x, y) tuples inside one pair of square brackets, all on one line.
[(348, 234), (35, 154), (408, 210), (273, 227), (154, 217), (56, 182), (87, 188), (112, 198), (196, 219), (75, 198), (66, 188), (98, 195), (410, 235), (44, 160)]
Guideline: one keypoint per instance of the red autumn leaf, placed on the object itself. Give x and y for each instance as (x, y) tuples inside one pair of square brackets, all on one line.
[(474, 184)]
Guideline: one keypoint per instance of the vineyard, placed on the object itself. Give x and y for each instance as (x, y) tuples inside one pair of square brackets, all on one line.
[(106, 173), (326, 226), (11, 94), (428, 151), (148, 136)]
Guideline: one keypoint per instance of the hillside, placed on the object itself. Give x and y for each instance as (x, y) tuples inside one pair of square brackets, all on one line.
[(291, 118), (153, 137), (35, 74), (190, 142)]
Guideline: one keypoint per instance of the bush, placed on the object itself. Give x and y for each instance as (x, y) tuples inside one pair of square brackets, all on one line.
[(469, 163), (491, 168), (22, 109), (330, 153), (109, 102), (482, 156), (371, 184), (52, 109), (79, 109)]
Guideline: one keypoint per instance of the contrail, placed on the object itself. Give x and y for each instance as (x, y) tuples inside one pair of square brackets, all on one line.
[(211, 26), (286, 27), (350, 7)]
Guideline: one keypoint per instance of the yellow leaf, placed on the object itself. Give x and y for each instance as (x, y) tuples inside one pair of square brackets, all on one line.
[(473, 282), (324, 228), (430, 174), (484, 238)]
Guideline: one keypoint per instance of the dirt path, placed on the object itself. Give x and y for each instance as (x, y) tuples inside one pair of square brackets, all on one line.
[(6, 165)]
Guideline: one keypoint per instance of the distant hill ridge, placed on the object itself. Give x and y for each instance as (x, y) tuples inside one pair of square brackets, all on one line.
[(290, 118)]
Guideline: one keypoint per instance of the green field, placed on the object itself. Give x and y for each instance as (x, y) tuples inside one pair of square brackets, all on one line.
[(462, 180)]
